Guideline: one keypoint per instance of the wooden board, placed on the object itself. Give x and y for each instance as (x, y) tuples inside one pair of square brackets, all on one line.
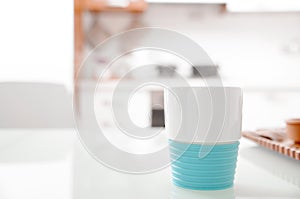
[(276, 140)]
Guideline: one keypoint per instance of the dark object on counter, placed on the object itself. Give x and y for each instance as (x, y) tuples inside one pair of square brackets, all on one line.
[(166, 71), (158, 118), (205, 71), (157, 109), (275, 140), (293, 129)]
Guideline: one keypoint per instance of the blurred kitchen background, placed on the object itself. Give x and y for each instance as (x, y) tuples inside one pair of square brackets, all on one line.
[(253, 44)]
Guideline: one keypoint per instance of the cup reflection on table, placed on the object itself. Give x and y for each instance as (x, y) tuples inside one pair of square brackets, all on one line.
[(180, 193)]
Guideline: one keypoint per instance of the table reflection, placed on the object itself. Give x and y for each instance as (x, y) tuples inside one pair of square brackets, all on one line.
[(179, 193), (278, 165)]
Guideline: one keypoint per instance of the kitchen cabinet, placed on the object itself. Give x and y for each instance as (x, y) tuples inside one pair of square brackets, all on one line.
[(81, 6)]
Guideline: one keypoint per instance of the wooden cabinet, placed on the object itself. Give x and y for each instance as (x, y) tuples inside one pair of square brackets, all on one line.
[(81, 6)]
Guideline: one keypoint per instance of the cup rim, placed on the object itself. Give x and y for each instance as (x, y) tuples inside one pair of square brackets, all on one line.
[(293, 121)]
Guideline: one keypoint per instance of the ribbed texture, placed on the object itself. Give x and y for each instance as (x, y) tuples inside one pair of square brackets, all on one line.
[(214, 171)]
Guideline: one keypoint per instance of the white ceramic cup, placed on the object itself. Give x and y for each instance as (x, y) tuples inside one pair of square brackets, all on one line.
[(204, 126)]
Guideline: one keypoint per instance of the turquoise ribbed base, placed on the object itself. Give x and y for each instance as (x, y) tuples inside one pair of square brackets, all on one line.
[(214, 171)]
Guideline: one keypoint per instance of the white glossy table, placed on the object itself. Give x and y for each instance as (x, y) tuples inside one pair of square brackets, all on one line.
[(53, 164)]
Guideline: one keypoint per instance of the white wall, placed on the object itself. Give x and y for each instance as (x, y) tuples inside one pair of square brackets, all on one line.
[(36, 41)]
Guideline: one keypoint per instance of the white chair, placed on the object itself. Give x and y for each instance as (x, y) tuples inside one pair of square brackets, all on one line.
[(35, 105)]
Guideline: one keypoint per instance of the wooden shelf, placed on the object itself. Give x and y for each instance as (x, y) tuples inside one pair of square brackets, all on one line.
[(103, 6)]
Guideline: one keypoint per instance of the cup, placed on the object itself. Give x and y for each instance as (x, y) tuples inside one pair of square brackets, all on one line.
[(293, 129), (204, 127)]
